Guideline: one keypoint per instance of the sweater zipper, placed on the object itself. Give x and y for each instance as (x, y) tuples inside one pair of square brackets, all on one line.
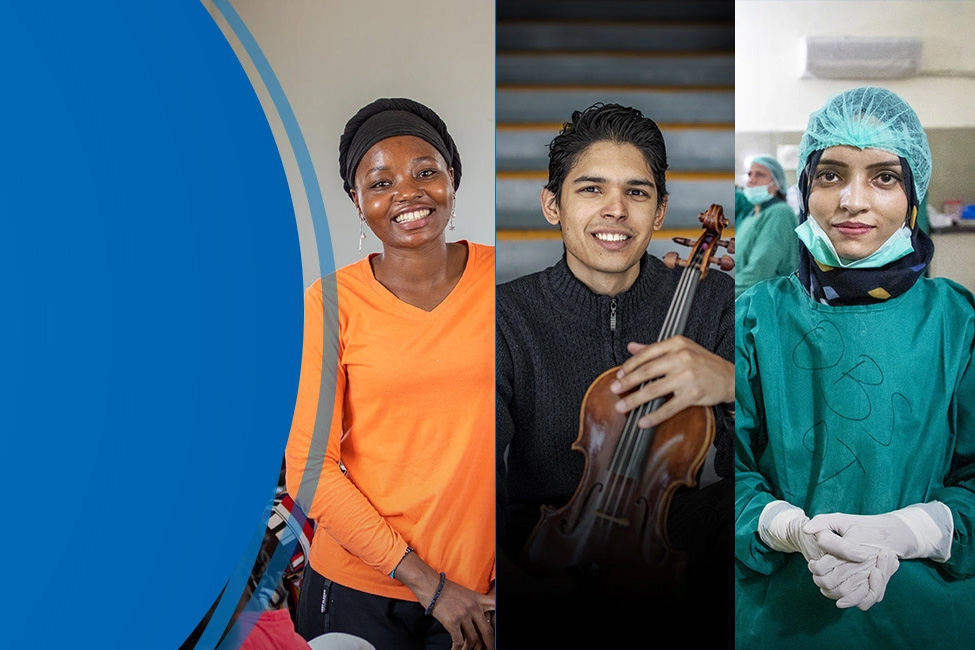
[(612, 316)]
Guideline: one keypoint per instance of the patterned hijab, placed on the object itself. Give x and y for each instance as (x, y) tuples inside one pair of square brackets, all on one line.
[(861, 286), (867, 118)]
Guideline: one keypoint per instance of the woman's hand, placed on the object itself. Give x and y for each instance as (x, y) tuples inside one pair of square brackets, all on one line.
[(855, 584), (464, 613), (679, 367)]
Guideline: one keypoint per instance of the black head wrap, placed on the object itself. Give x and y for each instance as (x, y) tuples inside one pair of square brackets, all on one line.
[(386, 118)]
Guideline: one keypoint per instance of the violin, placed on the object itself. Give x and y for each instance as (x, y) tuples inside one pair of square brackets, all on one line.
[(615, 522)]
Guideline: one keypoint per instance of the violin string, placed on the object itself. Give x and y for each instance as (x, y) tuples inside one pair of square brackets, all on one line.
[(619, 487), (629, 442), (626, 451)]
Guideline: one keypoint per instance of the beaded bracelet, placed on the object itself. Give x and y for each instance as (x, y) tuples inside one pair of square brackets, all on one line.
[(443, 579), (409, 549)]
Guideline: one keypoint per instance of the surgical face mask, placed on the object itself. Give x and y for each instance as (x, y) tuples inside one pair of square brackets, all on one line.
[(820, 247), (757, 195)]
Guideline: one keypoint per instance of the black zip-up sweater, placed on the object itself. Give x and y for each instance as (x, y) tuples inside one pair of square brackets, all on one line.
[(554, 337)]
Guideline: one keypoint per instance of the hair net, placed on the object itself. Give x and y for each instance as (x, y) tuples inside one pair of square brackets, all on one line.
[(873, 118), (774, 168)]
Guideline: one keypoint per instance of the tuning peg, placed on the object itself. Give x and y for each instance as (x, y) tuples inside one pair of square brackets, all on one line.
[(728, 243), (684, 241), (673, 260), (724, 262)]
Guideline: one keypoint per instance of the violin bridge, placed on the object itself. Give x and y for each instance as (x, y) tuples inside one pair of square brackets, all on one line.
[(615, 520)]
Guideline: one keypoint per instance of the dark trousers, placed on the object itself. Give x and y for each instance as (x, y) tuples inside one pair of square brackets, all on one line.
[(387, 623), (567, 610), (702, 524)]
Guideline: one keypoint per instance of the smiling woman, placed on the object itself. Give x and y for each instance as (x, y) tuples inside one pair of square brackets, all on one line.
[(391, 448), (858, 200), (855, 481)]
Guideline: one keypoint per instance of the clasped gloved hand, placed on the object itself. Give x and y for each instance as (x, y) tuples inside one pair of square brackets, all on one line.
[(855, 584), (917, 531), (780, 526), (847, 571)]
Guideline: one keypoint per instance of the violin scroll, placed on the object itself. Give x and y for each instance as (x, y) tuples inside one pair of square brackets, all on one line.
[(713, 219), (703, 249)]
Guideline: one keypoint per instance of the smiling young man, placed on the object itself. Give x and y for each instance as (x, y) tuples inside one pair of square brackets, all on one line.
[(601, 306)]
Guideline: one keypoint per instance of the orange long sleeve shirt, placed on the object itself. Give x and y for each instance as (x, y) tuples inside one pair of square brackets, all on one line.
[(407, 408)]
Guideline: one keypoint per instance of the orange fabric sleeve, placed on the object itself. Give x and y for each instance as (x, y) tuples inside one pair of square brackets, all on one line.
[(360, 529)]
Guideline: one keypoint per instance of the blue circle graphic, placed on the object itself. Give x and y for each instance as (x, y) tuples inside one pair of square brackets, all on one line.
[(150, 321)]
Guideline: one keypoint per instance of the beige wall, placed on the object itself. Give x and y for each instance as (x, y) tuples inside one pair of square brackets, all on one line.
[(772, 102), (770, 96), (331, 57)]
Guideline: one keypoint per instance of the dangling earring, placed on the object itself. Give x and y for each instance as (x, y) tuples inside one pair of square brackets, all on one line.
[(453, 213), (362, 231)]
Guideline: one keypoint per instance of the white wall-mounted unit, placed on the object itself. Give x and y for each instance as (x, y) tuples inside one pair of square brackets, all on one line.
[(858, 57)]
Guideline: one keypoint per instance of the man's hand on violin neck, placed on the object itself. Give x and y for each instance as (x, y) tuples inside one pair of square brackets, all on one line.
[(678, 367)]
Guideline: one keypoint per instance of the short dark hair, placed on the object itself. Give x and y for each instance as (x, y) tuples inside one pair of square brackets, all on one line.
[(606, 123)]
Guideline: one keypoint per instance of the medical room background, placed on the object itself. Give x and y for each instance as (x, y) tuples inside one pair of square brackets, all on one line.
[(791, 56)]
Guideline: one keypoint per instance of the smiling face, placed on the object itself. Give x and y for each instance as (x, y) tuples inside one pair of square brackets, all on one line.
[(405, 191), (858, 198), (608, 210)]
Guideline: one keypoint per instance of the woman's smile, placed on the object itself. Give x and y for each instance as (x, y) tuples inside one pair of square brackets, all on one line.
[(853, 228), (413, 215)]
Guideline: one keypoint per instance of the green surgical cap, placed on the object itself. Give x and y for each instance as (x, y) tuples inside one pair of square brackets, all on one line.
[(873, 118), (774, 168)]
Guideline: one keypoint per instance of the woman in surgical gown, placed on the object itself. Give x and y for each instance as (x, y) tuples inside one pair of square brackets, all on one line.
[(767, 244), (855, 408)]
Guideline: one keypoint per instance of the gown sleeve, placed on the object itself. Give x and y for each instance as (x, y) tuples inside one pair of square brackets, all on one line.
[(959, 491), (752, 489), (313, 455)]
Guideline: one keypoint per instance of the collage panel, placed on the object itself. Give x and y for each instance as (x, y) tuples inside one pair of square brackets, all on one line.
[(615, 266), (855, 325), (339, 326), (380, 533)]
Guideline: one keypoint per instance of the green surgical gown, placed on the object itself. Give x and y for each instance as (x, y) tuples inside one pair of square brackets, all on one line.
[(860, 410), (766, 244), (743, 207)]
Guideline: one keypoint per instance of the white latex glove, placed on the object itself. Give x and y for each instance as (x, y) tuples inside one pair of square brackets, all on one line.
[(780, 527), (917, 531), (860, 584)]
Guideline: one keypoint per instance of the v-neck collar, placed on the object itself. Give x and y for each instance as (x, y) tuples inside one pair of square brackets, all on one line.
[(405, 308)]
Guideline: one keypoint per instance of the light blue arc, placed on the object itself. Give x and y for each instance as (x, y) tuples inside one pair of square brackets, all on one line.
[(222, 614), (316, 204)]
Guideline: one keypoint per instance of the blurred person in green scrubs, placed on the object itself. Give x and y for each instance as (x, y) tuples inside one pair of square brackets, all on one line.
[(766, 244)]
